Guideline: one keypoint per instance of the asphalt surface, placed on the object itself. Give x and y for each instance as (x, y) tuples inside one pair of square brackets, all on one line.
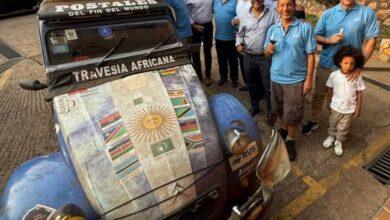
[(320, 186)]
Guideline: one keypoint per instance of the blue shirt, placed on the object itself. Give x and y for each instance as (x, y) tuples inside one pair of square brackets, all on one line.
[(224, 13), (358, 23), (253, 29), (183, 19), (289, 61)]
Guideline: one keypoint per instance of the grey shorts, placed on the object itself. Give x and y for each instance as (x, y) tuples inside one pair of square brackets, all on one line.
[(288, 100)]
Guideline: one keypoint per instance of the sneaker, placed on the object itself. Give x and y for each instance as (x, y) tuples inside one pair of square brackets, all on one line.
[(292, 152), (234, 85), (283, 132), (309, 127), (328, 142), (338, 148), (221, 82)]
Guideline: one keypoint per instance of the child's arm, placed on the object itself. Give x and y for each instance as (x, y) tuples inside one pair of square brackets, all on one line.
[(329, 97), (359, 99)]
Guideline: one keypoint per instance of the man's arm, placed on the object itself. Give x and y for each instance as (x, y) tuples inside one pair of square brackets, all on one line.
[(329, 41), (189, 6), (367, 52), (369, 48), (307, 85), (359, 99)]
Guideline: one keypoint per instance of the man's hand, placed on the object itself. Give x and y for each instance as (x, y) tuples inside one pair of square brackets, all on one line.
[(335, 38), (197, 27), (235, 21), (354, 75), (240, 49), (307, 86), (269, 50)]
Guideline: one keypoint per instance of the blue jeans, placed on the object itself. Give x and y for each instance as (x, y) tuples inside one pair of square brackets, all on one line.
[(257, 69)]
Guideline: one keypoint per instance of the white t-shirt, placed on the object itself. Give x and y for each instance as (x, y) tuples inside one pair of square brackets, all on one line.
[(344, 92)]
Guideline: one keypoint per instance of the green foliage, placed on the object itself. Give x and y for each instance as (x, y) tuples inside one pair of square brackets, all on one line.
[(312, 19), (328, 3), (385, 33)]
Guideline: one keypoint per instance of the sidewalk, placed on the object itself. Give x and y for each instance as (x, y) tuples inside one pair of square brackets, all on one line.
[(320, 186)]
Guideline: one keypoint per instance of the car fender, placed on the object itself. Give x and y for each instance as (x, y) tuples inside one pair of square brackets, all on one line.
[(229, 113), (45, 180)]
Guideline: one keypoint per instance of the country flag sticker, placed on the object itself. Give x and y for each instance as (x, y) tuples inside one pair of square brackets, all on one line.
[(184, 113), (162, 147), (138, 101), (112, 134), (168, 72), (109, 119), (180, 102), (176, 93), (189, 127), (121, 148), (194, 141), (127, 165)]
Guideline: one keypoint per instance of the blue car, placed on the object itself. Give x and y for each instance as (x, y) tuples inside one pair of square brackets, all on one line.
[(138, 137)]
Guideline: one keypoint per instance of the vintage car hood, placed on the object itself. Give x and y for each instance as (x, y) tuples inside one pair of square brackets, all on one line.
[(137, 141)]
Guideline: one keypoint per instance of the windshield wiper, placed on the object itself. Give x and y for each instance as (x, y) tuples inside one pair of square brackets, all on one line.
[(159, 45), (111, 51)]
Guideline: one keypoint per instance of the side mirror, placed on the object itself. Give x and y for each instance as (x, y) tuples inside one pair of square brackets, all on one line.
[(193, 48), (30, 84)]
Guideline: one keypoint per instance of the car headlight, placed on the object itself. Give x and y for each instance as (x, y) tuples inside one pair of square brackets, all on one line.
[(236, 140)]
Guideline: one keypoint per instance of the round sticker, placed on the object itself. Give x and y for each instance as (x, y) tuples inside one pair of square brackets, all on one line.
[(105, 31)]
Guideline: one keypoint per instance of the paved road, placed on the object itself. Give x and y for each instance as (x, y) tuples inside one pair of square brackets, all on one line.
[(320, 186)]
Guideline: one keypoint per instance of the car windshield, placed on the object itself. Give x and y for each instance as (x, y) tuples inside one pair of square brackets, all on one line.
[(77, 44)]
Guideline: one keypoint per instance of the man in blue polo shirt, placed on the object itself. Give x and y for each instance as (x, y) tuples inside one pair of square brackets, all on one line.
[(183, 20), (345, 23), (225, 38), (291, 44)]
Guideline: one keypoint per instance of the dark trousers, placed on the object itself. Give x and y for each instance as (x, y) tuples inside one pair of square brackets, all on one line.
[(257, 68), (227, 54), (207, 38), (242, 68)]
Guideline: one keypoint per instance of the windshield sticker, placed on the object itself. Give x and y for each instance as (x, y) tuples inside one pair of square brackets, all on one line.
[(117, 69), (71, 34), (105, 31), (59, 45)]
